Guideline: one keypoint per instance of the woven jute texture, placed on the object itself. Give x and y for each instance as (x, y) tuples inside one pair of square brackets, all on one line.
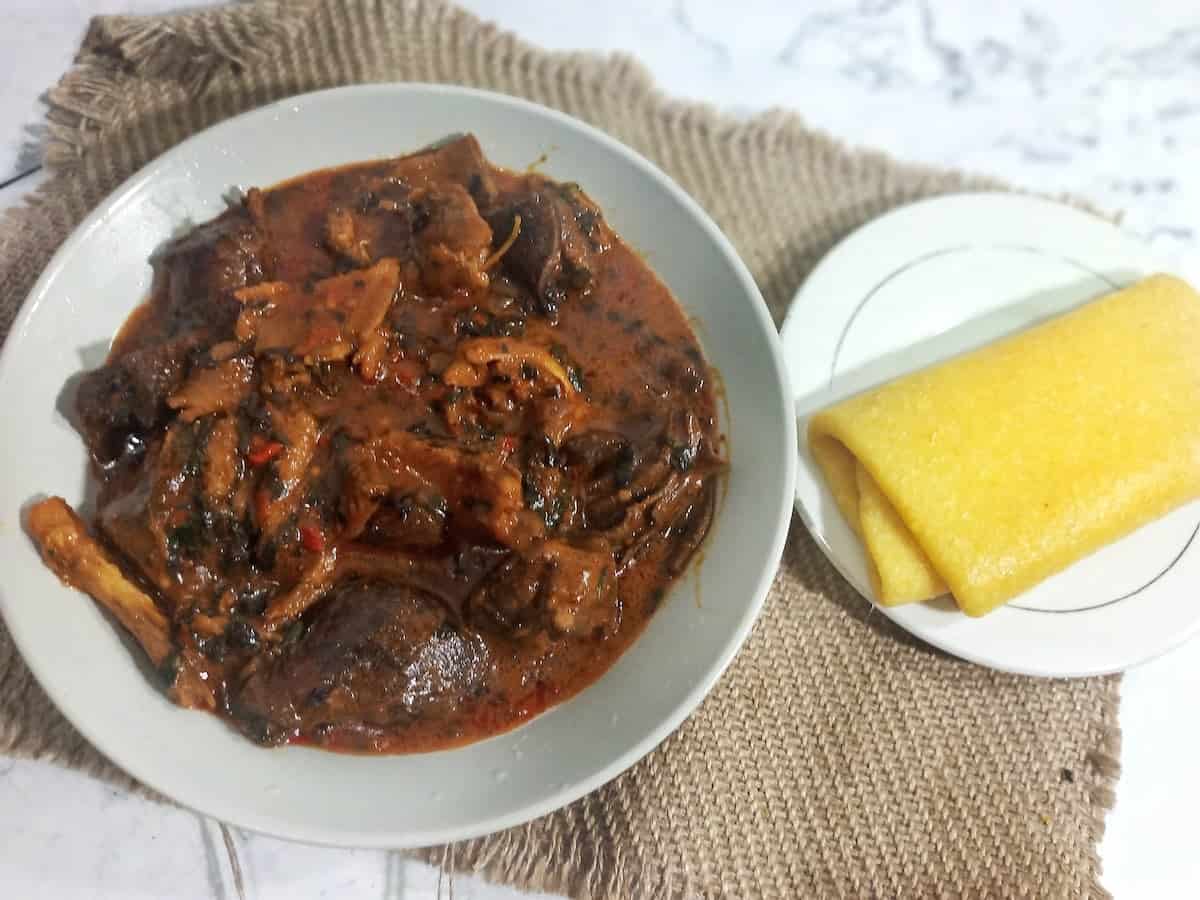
[(837, 757)]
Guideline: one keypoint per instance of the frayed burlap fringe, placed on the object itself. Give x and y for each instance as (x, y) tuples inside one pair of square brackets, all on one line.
[(837, 757), (186, 51)]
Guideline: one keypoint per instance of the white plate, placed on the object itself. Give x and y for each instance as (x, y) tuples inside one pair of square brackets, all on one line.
[(101, 273), (934, 279)]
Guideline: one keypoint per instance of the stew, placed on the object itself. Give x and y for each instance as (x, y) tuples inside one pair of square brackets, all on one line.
[(398, 455)]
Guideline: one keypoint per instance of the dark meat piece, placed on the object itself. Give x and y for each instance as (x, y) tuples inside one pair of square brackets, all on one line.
[(448, 576), (560, 235), (543, 487), (199, 272), (690, 532), (534, 257), (380, 224), (595, 450), (375, 654), (606, 463), (123, 401), (480, 494), (346, 236), (460, 160), (464, 161), (455, 241), (668, 513), (557, 588), (404, 521), (624, 482), (413, 196), (124, 521)]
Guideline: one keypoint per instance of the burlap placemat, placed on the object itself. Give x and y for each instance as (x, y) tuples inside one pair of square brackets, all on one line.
[(837, 756)]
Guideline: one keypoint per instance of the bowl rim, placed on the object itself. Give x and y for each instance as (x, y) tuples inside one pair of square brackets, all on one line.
[(519, 814)]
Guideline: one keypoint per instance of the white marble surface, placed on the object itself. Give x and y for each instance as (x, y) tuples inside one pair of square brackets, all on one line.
[(1092, 97)]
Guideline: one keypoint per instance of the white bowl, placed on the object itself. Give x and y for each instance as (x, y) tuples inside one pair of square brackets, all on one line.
[(86, 666)]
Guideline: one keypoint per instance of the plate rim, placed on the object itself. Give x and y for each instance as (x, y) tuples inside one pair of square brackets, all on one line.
[(518, 813), (1139, 259)]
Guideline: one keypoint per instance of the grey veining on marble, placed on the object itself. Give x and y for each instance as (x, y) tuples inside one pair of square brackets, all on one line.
[(1092, 98), (1098, 103)]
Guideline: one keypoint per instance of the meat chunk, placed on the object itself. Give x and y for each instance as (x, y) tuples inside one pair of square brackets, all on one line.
[(217, 388), (81, 562), (506, 356), (379, 226), (373, 654), (626, 486), (454, 238), (126, 526), (448, 577), (223, 466), (598, 450), (510, 384), (182, 520), (424, 205), (299, 432), (159, 529), (404, 521), (75, 557), (332, 320), (680, 509), (561, 232), (311, 587), (124, 401), (460, 160), (346, 237), (198, 273), (479, 492), (556, 588), (605, 463)]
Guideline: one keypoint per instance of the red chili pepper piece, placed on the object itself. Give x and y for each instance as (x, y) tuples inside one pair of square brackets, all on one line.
[(312, 539), (262, 451)]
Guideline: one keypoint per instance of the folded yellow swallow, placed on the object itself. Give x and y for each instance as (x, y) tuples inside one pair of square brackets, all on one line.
[(989, 472)]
